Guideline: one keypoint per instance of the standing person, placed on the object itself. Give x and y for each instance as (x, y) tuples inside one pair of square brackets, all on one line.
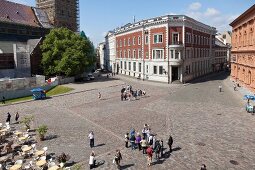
[(170, 143), (138, 140), (144, 132), (92, 160), (149, 152), (162, 148), (91, 139), (157, 149), (3, 100), (99, 95), (117, 158), (132, 141), (144, 144), (234, 85), (148, 133), (150, 140), (8, 120), (126, 139), (203, 167), (17, 116), (154, 142), (220, 88)]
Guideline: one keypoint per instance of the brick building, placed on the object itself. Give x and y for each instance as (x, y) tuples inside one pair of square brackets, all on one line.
[(167, 49), (243, 49), (62, 13)]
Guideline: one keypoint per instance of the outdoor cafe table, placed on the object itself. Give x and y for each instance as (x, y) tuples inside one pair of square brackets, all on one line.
[(54, 167), (16, 167), (41, 163), (26, 149), (39, 153)]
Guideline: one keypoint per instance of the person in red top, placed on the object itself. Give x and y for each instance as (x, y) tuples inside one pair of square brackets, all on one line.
[(149, 154)]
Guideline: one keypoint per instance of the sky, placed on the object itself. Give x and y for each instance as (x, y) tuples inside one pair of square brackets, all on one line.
[(97, 17)]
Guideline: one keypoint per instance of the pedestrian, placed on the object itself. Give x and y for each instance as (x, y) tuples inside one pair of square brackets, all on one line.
[(150, 140), (126, 139), (132, 141), (8, 120), (234, 85), (157, 149), (91, 139), (99, 95), (138, 140), (144, 144), (154, 141), (3, 100), (144, 132), (17, 116), (92, 161), (203, 167), (117, 158), (162, 148), (220, 88), (148, 133), (170, 143), (149, 152)]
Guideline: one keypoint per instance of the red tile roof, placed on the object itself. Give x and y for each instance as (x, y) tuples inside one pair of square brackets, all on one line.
[(17, 13)]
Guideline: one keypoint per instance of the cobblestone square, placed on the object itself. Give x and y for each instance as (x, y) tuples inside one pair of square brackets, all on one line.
[(208, 127)]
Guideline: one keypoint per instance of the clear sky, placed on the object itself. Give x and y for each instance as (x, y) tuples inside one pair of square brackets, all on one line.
[(99, 16)]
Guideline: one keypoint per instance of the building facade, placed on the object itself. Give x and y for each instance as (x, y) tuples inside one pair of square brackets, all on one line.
[(102, 57), (220, 55), (243, 49), (167, 49), (110, 53), (62, 13), (226, 38)]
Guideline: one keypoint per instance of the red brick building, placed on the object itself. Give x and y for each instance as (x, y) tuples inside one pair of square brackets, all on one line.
[(167, 49), (243, 49)]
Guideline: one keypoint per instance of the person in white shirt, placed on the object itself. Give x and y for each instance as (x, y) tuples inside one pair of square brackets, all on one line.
[(91, 139), (92, 160)]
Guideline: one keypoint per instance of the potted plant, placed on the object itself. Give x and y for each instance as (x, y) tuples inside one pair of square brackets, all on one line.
[(62, 159), (27, 121), (42, 130)]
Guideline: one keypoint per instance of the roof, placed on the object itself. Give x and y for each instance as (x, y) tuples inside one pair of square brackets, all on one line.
[(243, 15), (219, 43), (17, 13)]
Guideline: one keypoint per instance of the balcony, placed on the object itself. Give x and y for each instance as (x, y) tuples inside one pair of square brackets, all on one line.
[(176, 44), (175, 61)]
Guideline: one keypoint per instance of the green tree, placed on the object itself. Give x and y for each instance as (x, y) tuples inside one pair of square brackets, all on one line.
[(65, 53), (92, 57)]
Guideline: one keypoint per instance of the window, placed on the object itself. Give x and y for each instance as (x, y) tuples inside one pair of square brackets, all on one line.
[(160, 69), (158, 38), (129, 65), (146, 39), (134, 54), (134, 66), (175, 39), (125, 54), (125, 65), (177, 53), (120, 54), (129, 54), (124, 42), (139, 40), (133, 40), (147, 69), (155, 71), (140, 67), (120, 43), (128, 41), (147, 54), (172, 53), (121, 64), (157, 54), (139, 53)]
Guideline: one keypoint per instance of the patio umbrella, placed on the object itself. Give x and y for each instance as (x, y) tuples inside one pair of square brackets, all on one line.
[(249, 97)]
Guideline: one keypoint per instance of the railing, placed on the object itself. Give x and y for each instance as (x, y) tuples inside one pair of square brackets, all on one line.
[(176, 43)]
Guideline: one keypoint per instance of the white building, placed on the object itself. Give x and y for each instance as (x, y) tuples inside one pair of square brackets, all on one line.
[(110, 51), (101, 50)]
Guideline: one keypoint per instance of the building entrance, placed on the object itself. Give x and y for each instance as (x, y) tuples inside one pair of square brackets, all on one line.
[(175, 74)]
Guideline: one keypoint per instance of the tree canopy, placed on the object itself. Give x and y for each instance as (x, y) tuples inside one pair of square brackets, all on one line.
[(66, 53)]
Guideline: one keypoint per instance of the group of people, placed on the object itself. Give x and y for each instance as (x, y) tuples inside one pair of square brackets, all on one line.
[(127, 93), (147, 142), (8, 119)]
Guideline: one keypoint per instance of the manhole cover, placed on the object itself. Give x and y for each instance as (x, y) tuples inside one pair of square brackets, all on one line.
[(201, 144), (234, 162)]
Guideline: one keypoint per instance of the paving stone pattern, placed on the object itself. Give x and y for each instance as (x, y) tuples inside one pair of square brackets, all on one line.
[(208, 127)]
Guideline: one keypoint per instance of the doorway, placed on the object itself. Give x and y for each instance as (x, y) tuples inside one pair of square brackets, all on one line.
[(175, 73)]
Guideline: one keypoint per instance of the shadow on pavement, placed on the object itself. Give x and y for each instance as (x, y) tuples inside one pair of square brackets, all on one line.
[(126, 166), (210, 77)]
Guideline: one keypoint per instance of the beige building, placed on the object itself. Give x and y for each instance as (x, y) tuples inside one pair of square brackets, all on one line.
[(243, 49), (61, 13)]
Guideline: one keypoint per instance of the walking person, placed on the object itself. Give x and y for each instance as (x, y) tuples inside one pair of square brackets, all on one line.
[(99, 95), (203, 167), (220, 88), (8, 120), (157, 149), (3, 100), (234, 85), (144, 144), (17, 117), (92, 161), (138, 140), (91, 139), (149, 152), (126, 139), (117, 158), (132, 141), (162, 149), (170, 143), (144, 132)]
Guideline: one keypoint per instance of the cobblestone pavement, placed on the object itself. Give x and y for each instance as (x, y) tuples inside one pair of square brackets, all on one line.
[(208, 127)]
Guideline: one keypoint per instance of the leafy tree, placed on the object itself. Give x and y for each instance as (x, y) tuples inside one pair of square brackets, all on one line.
[(92, 58), (65, 53)]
